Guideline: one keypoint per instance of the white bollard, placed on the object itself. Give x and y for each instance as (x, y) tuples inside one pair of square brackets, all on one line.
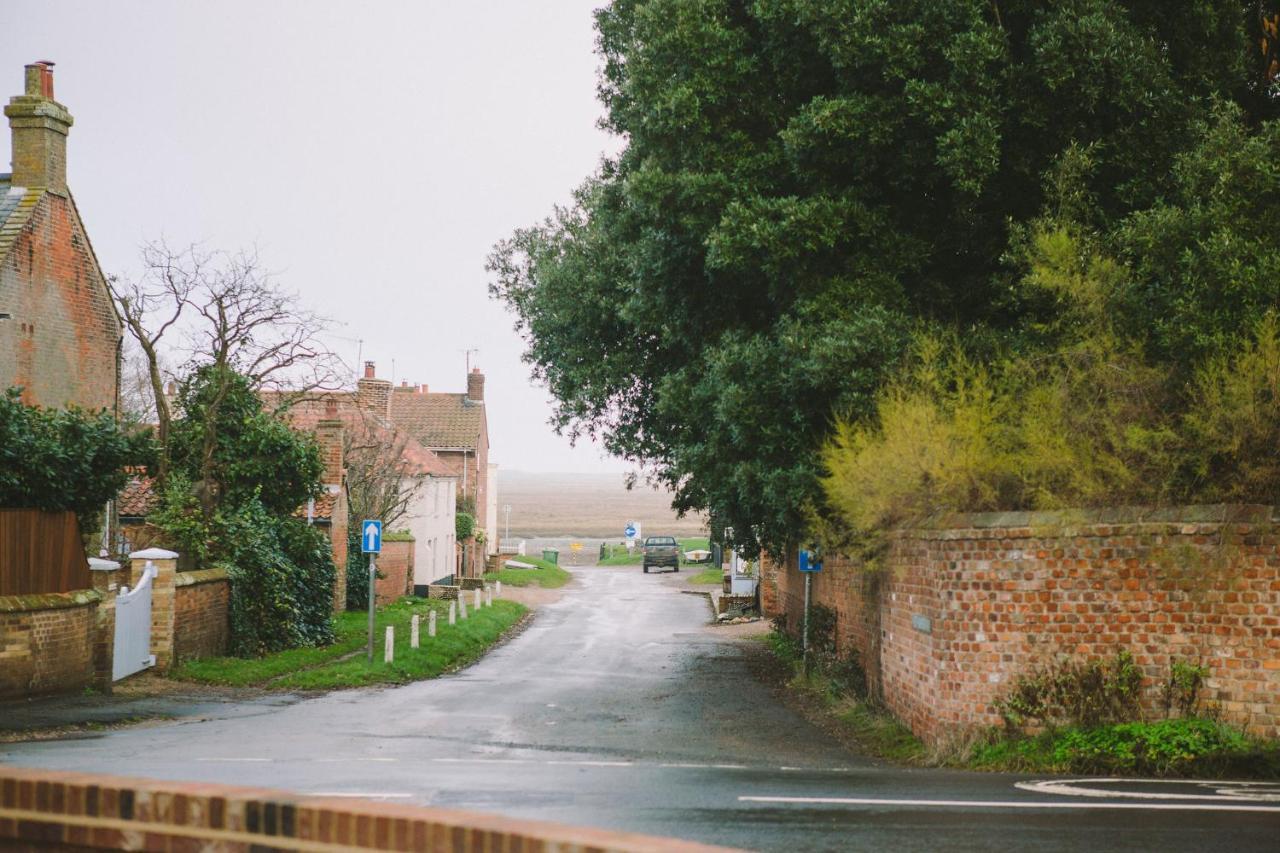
[(389, 653), (413, 632), (488, 596), (477, 598), (497, 588), (462, 605), (453, 612), (431, 624)]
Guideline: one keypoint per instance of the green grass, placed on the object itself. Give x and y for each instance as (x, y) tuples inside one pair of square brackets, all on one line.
[(320, 667), (618, 555), (547, 574), (1179, 747), (710, 576)]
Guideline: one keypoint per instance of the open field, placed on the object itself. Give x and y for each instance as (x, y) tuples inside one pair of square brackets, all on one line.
[(586, 506)]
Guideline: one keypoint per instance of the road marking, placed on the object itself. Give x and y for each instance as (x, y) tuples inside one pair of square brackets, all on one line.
[(234, 759), (593, 763), (363, 795), (344, 760), (1009, 804), (481, 760), (1222, 791)]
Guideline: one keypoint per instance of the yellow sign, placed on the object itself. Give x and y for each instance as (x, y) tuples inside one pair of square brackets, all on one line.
[(576, 546)]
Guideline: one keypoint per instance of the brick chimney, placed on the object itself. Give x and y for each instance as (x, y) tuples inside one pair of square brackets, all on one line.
[(475, 385), (329, 436), (373, 394), (39, 125)]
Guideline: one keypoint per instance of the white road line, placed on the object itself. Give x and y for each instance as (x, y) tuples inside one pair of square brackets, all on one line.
[(481, 761), (592, 763), (234, 759), (344, 760), (363, 795), (1007, 804), (1222, 790)]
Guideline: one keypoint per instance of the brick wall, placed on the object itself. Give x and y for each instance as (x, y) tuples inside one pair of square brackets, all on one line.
[(47, 642), (61, 342), (395, 563), (964, 605), (202, 626), (49, 810)]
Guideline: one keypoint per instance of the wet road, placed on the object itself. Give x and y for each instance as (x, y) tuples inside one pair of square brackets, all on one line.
[(618, 707)]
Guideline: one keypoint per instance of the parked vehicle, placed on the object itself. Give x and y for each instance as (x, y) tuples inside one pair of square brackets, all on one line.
[(660, 551)]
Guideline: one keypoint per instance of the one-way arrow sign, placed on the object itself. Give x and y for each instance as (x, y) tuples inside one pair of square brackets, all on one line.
[(371, 537)]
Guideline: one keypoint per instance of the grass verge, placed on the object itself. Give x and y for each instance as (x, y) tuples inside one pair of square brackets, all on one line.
[(547, 574), (827, 699), (330, 667), (711, 576)]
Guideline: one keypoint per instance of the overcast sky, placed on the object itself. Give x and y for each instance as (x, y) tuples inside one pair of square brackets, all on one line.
[(373, 151)]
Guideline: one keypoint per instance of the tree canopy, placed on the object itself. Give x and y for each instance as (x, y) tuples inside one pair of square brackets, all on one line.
[(807, 185)]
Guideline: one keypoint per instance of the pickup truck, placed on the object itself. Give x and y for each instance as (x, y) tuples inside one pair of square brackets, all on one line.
[(660, 551)]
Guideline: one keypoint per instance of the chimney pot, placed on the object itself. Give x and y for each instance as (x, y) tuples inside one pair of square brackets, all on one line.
[(475, 385), (39, 126), (330, 407), (369, 372)]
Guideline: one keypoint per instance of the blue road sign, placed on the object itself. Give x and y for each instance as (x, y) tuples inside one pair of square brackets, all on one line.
[(370, 537), (809, 562), (630, 531)]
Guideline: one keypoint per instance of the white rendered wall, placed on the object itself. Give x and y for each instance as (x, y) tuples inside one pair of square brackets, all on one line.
[(491, 500), (430, 518)]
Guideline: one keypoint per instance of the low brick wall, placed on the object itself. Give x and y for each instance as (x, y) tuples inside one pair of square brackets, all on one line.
[(446, 592), (202, 626), (966, 603), (395, 564), (49, 810), (48, 642)]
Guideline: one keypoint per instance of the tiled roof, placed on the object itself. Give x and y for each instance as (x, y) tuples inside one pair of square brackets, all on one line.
[(16, 204), (323, 511), (439, 421), (306, 412), (139, 497)]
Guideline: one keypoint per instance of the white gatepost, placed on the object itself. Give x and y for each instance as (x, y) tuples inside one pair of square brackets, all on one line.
[(431, 624)]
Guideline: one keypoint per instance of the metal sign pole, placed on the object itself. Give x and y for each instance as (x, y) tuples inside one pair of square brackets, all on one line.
[(373, 573), (808, 580)]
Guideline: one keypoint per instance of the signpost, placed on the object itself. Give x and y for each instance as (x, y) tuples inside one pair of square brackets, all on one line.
[(632, 531), (810, 562), (371, 544)]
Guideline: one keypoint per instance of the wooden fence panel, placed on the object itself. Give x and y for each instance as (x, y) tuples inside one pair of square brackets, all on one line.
[(41, 552)]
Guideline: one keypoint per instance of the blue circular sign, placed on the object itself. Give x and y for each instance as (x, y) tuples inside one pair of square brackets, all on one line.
[(630, 531)]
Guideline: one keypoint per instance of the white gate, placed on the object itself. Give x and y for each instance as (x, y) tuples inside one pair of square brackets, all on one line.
[(133, 627)]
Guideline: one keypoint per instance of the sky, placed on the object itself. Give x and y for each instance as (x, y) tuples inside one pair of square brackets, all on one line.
[(373, 152)]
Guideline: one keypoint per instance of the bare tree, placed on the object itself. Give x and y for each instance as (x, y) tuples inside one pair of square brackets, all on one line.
[(220, 309), (383, 474)]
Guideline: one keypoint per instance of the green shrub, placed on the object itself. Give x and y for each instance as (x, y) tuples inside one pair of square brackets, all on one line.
[(1164, 747), (1077, 693)]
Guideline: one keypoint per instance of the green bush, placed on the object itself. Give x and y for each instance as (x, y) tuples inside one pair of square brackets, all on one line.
[(55, 459), (1076, 692), (1162, 747)]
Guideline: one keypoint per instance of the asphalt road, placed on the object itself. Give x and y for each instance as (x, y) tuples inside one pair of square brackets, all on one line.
[(620, 708)]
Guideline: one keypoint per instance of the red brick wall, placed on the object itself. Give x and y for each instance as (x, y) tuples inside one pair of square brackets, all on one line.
[(61, 343), (395, 564), (998, 594), (51, 810), (47, 642), (202, 625)]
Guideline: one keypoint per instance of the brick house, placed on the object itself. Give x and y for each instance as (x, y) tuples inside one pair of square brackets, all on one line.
[(60, 335), (455, 427)]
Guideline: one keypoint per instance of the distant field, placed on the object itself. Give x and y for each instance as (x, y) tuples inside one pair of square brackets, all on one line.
[(586, 506)]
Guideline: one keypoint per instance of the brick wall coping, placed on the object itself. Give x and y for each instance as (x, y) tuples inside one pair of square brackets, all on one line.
[(1061, 522), (60, 810), (153, 554), (200, 576), (96, 565), (48, 601)]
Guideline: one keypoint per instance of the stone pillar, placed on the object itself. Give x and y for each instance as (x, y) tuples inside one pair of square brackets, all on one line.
[(163, 595), (106, 580)]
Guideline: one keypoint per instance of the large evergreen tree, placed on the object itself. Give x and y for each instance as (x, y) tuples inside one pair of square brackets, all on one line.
[(806, 183)]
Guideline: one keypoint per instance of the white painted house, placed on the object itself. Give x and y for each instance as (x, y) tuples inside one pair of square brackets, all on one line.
[(430, 517)]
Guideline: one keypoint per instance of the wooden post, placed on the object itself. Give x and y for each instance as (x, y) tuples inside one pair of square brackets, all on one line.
[(389, 649), (431, 624), (453, 612), (413, 632)]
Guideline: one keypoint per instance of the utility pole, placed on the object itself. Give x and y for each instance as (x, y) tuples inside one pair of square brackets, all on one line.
[(506, 508)]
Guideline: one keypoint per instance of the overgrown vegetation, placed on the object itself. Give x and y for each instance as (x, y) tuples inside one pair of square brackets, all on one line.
[(807, 188), (64, 459), (1077, 716), (281, 568)]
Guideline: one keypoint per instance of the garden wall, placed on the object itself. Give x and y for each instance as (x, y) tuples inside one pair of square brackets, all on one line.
[(966, 603), (202, 626), (395, 564), (47, 642)]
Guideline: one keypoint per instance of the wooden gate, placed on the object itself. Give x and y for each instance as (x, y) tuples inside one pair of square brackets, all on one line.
[(133, 627), (41, 552)]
